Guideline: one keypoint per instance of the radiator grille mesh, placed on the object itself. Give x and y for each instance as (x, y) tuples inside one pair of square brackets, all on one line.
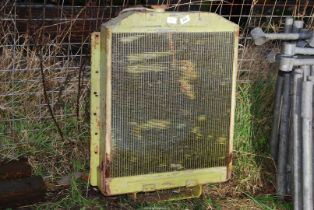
[(171, 101)]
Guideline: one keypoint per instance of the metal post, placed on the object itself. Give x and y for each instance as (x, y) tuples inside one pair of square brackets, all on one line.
[(290, 48), (312, 79), (283, 138), (277, 104), (297, 26), (306, 114), (260, 37), (282, 165), (288, 24), (296, 139), (294, 155), (312, 70), (276, 117)]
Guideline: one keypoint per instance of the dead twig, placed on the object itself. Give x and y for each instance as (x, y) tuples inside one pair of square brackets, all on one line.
[(43, 80)]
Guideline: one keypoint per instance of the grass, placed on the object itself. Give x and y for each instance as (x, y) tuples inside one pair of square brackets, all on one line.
[(252, 129), (251, 186)]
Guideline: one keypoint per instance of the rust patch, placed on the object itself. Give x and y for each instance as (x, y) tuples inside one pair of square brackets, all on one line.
[(107, 190), (105, 174), (237, 33), (229, 165), (229, 158), (108, 157), (96, 40), (97, 122), (96, 149)]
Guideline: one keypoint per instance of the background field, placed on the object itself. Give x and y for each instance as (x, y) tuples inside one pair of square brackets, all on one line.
[(44, 96)]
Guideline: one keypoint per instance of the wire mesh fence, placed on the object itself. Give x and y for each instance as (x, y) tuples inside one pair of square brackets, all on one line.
[(45, 60)]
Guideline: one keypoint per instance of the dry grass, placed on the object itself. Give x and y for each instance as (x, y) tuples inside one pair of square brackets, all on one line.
[(253, 63), (26, 127)]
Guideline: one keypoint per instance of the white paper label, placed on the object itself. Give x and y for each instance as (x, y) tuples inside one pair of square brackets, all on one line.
[(185, 19), (172, 20)]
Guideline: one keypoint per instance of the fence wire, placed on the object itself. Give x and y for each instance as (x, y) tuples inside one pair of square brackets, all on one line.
[(45, 57)]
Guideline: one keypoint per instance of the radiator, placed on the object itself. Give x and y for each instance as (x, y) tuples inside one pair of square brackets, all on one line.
[(162, 101)]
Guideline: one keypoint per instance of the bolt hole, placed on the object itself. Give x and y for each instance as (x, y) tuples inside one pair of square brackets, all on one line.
[(96, 134), (95, 113), (97, 72)]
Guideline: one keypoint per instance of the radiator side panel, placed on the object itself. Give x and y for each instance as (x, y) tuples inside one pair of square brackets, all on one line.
[(95, 107)]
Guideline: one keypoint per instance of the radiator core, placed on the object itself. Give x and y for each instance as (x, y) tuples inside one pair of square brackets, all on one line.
[(170, 101)]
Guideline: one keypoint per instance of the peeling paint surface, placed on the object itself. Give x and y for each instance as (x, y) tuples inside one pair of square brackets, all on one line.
[(151, 124)]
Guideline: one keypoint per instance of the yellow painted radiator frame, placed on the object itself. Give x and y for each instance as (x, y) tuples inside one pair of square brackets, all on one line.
[(100, 146)]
